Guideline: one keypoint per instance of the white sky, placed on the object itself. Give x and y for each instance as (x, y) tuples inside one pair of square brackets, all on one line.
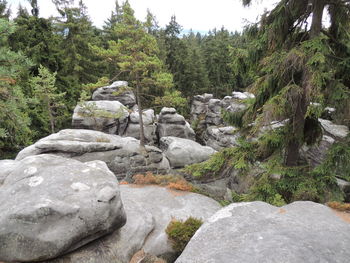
[(199, 15)]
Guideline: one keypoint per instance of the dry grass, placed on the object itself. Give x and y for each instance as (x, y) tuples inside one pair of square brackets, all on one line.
[(171, 181), (344, 207)]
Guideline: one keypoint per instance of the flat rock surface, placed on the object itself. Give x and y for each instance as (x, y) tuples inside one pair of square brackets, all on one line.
[(259, 232), (54, 205)]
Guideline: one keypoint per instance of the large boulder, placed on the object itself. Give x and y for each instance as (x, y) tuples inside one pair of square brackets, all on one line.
[(221, 137), (118, 91), (55, 205), (107, 116), (149, 127), (315, 154), (123, 155), (181, 152), (259, 232), (213, 116), (6, 167), (149, 210), (170, 123)]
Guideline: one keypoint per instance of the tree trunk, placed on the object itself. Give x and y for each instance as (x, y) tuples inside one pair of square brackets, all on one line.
[(52, 120), (298, 119), (317, 13), (142, 134)]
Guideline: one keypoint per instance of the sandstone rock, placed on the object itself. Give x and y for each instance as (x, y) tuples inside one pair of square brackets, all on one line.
[(107, 116), (242, 95), (221, 137), (122, 155), (165, 204), (334, 130), (258, 232), (133, 129), (181, 152), (6, 166), (170, 123), (345, 187), (199, 105), (55, 205), (118, 246), (213, 116), (315, 154), (117, 91)]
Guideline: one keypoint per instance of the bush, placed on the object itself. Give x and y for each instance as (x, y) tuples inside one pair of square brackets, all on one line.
[(180, 232)]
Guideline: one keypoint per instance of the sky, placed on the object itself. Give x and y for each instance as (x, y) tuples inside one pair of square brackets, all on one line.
[(199, 15)]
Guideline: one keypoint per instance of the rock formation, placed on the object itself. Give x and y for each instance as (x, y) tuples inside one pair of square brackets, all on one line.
[(258, 232), (55, 205)]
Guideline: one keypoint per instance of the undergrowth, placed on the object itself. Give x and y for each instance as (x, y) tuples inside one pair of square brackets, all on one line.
[(180, 232)]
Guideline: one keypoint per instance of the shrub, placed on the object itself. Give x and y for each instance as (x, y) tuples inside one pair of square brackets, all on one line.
[(148, 178), (180, 232)]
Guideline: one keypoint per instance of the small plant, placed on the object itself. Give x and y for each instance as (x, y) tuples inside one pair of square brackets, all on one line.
[(180, 232), (101, 139)]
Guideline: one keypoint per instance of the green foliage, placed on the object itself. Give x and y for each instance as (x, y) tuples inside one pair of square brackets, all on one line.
[(48, 103), (337, 161), (15, 129), (239, 158), (173, 98), (180, 232)]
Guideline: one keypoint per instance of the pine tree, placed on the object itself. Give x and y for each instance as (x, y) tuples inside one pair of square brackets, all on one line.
[(298, 66), (135, 54), (48, 101), (14, 124)]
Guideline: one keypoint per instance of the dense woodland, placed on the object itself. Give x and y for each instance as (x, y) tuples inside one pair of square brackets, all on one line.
[(295, 66)]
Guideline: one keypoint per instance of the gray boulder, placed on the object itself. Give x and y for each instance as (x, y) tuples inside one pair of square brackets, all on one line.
[(165, 204), (149, 210), (55, 205), (170, 123), (213, 116), (221, 137), (334, 130), (118, 246), (199, 105), (181, 152), (6, 166), (118, 91), (242, 95), (107, 116), (315, 154), (149, 126), (122, 155), (258, 232)]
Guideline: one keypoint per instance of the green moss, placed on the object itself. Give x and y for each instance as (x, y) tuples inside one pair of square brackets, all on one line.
[(180, 232)]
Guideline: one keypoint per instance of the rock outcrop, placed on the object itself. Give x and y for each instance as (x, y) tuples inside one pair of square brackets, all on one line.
[(181, 152), (122, 155), (149, 210), (258, 232), (117, 91), (149, 126), (170, 123), (55, 205), (221, 137), (107, 116)]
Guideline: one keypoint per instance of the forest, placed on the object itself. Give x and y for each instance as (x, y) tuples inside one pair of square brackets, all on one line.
[(292, 62)]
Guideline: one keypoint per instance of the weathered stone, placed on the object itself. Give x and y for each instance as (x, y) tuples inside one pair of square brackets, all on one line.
[(149, 127), (171, 123), (221, 137), (6, 166), (181, 152), (258, 232), (165, 204), (55, 205), (107, 116), (118, 246), (242, 95), (213, 116), (315, 154), (122, 155), (345, 187), (334, 130), (117, 91)]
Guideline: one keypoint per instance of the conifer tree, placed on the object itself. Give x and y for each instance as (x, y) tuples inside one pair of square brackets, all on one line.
[(135, 55)]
